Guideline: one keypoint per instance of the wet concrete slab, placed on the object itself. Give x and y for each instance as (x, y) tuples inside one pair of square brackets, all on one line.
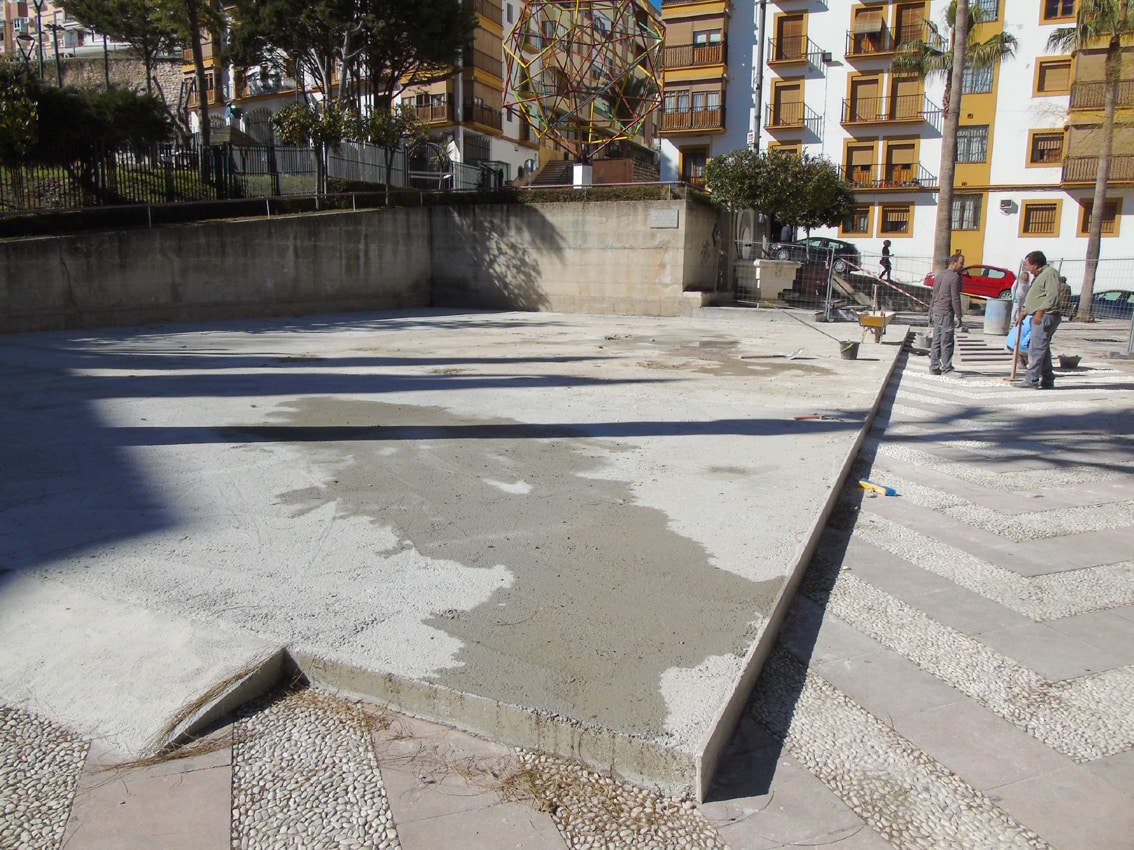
[(573, 533)]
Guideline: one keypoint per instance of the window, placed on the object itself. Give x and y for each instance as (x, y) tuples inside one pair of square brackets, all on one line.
[(693, 165), (1053, 76), (860, 164), (1056, 10), (858, 222), (1040, 218), (966, 212), (1046, 147), (509, 7), (989, 9), (1111, 212), (972, 144), (895, 220), (977, 81), (790, 38), (706, 37)]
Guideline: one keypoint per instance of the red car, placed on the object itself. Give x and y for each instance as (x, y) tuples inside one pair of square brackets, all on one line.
[(983, 281)]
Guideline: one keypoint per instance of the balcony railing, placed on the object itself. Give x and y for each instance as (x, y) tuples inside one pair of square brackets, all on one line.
[(792, 116), (437, 112), (485, 115), (692, 119), (1091, 95), (694, 55), (905, 109), (886, 41), (1085, 169), (795, 49), (911, 176), (485, 8)]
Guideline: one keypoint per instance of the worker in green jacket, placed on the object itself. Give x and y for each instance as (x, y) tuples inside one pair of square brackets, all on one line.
[(1041, 308)]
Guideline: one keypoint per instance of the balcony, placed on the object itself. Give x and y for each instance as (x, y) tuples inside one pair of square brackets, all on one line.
[(439, 111), (913, 177), (1091, 95), (792, 116), (687, 120), (486, 116), (884, 42), (795, 50), (903, 109), (1085, 169), (485, 8), (694, 55)]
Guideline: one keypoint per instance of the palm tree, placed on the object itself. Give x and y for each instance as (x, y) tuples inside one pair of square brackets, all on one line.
[(1108, 23), (933, 57), (938, 56)]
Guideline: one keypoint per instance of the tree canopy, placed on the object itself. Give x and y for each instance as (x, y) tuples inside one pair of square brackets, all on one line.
[(388, 43), (799, 190), (145, 25)]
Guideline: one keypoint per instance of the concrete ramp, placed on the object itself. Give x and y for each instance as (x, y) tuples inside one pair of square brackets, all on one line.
[(572, 533)]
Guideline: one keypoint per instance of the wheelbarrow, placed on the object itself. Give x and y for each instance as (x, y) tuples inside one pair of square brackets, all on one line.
[(875, 322)]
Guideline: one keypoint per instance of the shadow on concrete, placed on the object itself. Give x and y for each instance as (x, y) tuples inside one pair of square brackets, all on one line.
[(491, 267)]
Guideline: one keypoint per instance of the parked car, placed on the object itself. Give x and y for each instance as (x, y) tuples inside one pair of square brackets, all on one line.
[(1108, 304), (983, 281), (816, 250)]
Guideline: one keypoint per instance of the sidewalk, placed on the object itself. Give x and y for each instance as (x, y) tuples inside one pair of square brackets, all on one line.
[(957, 670)]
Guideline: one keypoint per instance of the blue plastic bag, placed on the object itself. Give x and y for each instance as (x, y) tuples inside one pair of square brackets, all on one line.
[(1025, 340)]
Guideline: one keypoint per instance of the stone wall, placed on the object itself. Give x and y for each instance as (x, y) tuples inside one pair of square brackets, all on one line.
[(628, 258)]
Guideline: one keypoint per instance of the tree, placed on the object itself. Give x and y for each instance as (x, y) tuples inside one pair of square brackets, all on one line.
[(139, 23), (316, 40), (323, 125), (1105, 24), (799, 190), (19, 120), (950, 58), (413, 42), (389, 130)]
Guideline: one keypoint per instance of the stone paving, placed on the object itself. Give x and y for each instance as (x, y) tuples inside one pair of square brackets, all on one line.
[(957, 670)]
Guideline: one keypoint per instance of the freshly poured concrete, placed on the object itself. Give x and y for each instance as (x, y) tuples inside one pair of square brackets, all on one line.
[(565, 532)]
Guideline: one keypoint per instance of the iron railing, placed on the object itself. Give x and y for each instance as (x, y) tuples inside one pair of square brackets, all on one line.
[(693, 119), (1085, 169), (694, 55), (1090, 95), (792, 116), (906, 176)]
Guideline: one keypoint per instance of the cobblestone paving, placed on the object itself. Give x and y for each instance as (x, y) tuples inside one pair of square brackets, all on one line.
[(306, 773)]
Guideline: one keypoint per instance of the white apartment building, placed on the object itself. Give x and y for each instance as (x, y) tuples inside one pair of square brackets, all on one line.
[(1027, 152)]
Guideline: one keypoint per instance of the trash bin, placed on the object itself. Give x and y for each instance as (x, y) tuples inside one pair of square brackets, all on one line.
[(997, 316), (848, 350)]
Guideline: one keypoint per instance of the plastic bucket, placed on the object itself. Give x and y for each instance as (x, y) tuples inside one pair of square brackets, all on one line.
[(997, 316), (848, 350)]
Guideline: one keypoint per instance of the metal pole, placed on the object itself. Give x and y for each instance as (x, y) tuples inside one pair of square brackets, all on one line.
[(58, 65), (39, 34), (106, 61), (758, 74)]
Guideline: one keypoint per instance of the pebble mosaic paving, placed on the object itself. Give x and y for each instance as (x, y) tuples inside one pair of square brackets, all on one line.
[(305, 773)]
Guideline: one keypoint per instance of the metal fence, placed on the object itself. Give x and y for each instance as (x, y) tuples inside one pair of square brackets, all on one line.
[(172, 173)]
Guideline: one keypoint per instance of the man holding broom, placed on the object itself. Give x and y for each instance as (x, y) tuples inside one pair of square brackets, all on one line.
[(1041, 308)]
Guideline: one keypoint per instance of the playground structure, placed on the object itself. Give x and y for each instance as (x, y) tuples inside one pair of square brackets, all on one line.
[(585, 73)]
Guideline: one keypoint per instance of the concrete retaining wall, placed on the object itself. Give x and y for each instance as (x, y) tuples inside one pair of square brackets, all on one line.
[(618, 257), (625, 258)]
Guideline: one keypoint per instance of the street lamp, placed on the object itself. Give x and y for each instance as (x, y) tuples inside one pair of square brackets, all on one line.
[(23, 41), (54, 27)]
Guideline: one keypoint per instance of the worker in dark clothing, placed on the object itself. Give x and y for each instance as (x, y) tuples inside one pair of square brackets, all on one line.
[(945, 314)]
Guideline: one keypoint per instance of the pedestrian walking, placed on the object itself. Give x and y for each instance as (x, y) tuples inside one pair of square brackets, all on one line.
[(1041, 308), (886, 264), (945, 314)]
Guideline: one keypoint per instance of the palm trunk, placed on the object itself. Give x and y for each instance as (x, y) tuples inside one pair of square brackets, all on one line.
[(1098, 202), (943, 234)]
